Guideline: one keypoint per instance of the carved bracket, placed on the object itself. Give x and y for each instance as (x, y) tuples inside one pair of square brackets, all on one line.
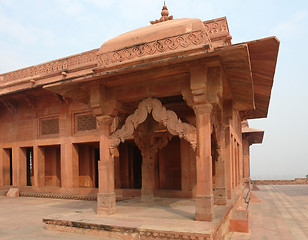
[(160, 114)]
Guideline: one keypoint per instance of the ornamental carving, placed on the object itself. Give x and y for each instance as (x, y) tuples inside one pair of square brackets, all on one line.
[(56, 66), (155, 47), (160, 114), (216, 26)]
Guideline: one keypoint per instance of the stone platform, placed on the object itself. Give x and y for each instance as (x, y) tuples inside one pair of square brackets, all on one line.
[(160, 219)]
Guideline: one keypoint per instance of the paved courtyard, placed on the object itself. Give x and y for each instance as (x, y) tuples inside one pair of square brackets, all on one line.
[(283, 214), (21, 218)]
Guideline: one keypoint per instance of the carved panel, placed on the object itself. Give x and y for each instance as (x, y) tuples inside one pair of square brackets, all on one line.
[(160, 114), (155, 47), (217, 27)]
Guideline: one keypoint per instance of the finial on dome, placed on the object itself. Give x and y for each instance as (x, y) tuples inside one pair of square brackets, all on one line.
[(164, 15)]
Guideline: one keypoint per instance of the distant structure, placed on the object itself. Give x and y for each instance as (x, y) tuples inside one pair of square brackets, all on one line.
[(160, 111)]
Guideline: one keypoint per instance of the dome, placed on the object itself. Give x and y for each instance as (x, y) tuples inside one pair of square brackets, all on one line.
[(160, 40)]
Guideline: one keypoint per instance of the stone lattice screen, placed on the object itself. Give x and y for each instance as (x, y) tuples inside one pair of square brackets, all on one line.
[(49, 126), (84, 122)]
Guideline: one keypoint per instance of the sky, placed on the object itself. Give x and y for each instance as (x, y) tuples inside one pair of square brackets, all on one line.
[(36, 31)]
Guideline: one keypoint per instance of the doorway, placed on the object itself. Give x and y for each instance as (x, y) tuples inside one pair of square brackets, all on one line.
[(130, 166)]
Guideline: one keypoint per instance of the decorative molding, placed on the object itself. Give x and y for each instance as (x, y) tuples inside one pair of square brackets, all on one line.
[(154, 48), (217, 26), (57, 66), (160, 114)]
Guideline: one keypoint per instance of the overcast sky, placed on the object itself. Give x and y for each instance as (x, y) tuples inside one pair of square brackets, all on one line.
[(36, 31)]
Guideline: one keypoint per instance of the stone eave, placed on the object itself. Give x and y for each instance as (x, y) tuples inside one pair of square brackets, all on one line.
[(263, 57), (253, 135), (234, 59)]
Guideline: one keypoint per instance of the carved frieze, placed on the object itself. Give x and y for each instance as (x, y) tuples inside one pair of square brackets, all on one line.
[(51, 67), (152, 48), (160, 114)]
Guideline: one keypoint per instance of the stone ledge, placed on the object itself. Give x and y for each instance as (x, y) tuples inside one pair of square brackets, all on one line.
[(120, 232), (66, 196)]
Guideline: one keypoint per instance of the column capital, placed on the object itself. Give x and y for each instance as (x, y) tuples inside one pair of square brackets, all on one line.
[(104, 120), (203, 108)]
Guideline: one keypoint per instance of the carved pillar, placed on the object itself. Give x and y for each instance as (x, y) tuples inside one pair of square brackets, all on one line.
[(241, 165), (39, 169), (228, 160), (148, 176), (143, 139), (106, 199), (204, 196), (246, 160), (233, 162), (220, 193)]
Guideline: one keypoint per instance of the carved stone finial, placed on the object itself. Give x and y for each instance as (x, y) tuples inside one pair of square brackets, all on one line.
[(164, 15)]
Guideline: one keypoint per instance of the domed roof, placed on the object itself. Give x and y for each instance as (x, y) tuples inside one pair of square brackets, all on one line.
[(154, 41)]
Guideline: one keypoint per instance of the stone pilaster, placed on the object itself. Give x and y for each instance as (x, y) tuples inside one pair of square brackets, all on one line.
[(39, 169)]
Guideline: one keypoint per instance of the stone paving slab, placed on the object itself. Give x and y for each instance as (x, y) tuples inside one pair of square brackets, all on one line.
[(282, 214), (21, 218), (164, 216)]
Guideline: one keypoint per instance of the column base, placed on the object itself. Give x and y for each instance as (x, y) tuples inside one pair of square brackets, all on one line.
[(147, 195), (205, 208), (220, 196), (106, 203)]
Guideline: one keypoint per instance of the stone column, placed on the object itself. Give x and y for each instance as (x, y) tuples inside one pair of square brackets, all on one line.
[(106, 199), (39, 169), (228, 160), (233, 162), (241, 164), (220, 193), (1, 166), (204, 197), (246, 160), (143, 141)]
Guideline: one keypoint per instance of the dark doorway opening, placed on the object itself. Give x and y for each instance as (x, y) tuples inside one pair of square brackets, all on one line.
[(30, 172), (130, 165), (96, 159)]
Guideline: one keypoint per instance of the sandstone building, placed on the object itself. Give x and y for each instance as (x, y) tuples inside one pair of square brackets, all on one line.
[(155, 112)]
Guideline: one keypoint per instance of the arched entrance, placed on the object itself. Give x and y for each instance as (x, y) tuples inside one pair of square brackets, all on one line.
[(152, 127)]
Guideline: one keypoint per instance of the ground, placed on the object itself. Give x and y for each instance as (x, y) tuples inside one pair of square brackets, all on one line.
[(282, 214)]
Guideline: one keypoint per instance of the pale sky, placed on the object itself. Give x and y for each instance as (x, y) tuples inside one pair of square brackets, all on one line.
[(36, 31)]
